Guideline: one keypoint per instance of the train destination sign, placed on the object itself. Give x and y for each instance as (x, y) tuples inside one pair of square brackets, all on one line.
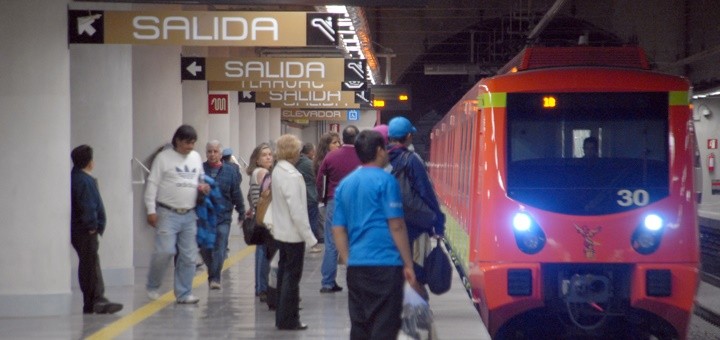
[(315, 114), (295, 72), (203, 28)]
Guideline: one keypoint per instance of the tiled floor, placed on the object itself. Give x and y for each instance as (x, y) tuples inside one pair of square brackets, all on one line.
[(231, 313)]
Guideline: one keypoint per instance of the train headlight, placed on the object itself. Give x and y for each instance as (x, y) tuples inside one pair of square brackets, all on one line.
[(647, 236), (522, 222), (653, 222), (529, 237)]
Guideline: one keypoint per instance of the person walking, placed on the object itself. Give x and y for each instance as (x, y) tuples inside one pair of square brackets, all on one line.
[(291, 231), (261, 162), (170, 197), (370, 235), (87, 221), (333, 169), (226, 178)]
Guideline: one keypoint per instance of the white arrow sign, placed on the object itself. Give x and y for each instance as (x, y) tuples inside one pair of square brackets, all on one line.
[(85, 24), (194, 69)]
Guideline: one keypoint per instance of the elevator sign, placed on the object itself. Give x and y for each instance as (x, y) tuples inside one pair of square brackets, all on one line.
[(218, 103), (203, 28)]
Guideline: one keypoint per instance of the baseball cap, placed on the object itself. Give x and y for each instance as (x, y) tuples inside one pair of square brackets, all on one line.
[(399, 127), (227, 152)]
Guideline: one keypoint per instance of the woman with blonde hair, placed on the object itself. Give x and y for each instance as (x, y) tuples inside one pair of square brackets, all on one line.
[(291, 230), (261, 161)]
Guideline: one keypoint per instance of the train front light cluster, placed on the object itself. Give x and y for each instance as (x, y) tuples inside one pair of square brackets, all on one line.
[(646, 238), (529, 237)]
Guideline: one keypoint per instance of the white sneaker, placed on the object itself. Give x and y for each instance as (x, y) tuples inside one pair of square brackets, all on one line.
[(316, 248), (214, 285), (153, 294), (188, 300)]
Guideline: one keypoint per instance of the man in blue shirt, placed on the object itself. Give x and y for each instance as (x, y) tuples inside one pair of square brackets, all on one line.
[(370, 235)]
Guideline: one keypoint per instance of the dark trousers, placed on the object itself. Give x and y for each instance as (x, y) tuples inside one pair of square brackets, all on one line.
[(290, 269), (375, 297), (89, 273)]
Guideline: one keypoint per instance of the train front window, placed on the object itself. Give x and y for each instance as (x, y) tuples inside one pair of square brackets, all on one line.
[(587, 153)]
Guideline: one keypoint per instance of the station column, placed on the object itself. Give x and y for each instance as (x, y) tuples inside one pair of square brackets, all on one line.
[(35, 147)]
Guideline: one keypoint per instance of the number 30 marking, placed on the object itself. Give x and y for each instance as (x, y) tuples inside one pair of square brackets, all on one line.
[(638, 197)]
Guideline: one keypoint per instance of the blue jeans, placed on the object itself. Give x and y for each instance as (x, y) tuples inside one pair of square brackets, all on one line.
[(262, 269), (329, 264), (214, 258), (314, 217), (175, 233)]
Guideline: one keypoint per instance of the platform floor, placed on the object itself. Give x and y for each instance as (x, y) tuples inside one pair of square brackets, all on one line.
[(231, 313)]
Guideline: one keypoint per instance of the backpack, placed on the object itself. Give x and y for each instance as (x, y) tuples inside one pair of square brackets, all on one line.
[(417, 212)]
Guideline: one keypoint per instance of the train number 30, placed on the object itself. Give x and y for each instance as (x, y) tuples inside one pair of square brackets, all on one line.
[(638, 197)]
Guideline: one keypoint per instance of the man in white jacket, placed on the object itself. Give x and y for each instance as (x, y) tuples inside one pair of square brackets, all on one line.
[(291, 229)]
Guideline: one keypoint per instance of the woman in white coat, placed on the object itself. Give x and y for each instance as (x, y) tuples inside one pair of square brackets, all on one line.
[(291, 230)]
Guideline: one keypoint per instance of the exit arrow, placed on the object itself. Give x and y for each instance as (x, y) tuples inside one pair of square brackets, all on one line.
[(194, 68)]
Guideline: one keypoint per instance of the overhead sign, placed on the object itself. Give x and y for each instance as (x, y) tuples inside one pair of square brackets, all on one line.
[(284, 85), (309, 99), (203, 28), (217, 103), (274, 71), (315, 114)]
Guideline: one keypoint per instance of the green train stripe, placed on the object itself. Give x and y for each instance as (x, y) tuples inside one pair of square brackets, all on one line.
[(679, 98), (496, 99), (459, 239)]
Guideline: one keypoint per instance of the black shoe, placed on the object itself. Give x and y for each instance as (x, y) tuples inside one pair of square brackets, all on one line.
[(107, 307), (263, 297), (333, 289), (299, 327)]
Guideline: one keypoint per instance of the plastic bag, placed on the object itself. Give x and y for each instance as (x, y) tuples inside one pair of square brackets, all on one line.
[(417, 318)]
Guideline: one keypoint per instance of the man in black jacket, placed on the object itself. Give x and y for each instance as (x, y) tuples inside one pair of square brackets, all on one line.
[(87, 221)]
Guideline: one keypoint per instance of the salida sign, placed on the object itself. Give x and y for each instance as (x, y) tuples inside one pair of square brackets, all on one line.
[(197, 28)]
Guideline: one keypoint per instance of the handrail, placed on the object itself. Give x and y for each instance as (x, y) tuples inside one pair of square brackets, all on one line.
[(147, 171)]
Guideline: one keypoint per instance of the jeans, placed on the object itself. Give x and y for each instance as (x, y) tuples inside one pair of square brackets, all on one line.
[(174, 231), (214, 258), (314, 217), (262, 269), (329, 263)]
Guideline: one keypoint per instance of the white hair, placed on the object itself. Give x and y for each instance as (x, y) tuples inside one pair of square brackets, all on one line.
[(214, 143)]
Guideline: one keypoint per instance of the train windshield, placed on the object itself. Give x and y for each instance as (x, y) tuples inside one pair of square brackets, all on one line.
[(587, 153)]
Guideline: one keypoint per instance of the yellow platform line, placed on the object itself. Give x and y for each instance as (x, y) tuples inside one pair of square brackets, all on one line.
[(128, 321)]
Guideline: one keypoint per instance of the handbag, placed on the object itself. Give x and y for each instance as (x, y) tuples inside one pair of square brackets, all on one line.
[(417, 212), (253, 233), (438, 270)]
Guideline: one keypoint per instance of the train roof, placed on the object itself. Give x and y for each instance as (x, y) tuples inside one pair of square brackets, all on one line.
[(544, 57)]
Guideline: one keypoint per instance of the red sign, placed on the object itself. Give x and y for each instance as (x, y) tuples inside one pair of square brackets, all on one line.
[(334, 127), (712, 143), (218, 103)]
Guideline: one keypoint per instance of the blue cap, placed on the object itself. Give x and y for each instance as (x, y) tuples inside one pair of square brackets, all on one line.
[(399, 127), (227, 152)]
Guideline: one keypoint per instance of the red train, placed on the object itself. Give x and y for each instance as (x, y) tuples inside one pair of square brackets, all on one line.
[(567, 181)]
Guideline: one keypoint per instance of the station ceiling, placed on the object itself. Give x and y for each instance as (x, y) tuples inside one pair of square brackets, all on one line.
[(441, 47)]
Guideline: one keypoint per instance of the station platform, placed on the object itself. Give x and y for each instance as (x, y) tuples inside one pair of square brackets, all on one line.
[(232, 312)]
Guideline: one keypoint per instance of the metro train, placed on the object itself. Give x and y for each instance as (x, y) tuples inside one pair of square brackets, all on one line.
[(567, 181)]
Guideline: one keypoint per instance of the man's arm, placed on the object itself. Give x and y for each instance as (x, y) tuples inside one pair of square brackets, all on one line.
[(236, 195), (341, 241), (151, 188)]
